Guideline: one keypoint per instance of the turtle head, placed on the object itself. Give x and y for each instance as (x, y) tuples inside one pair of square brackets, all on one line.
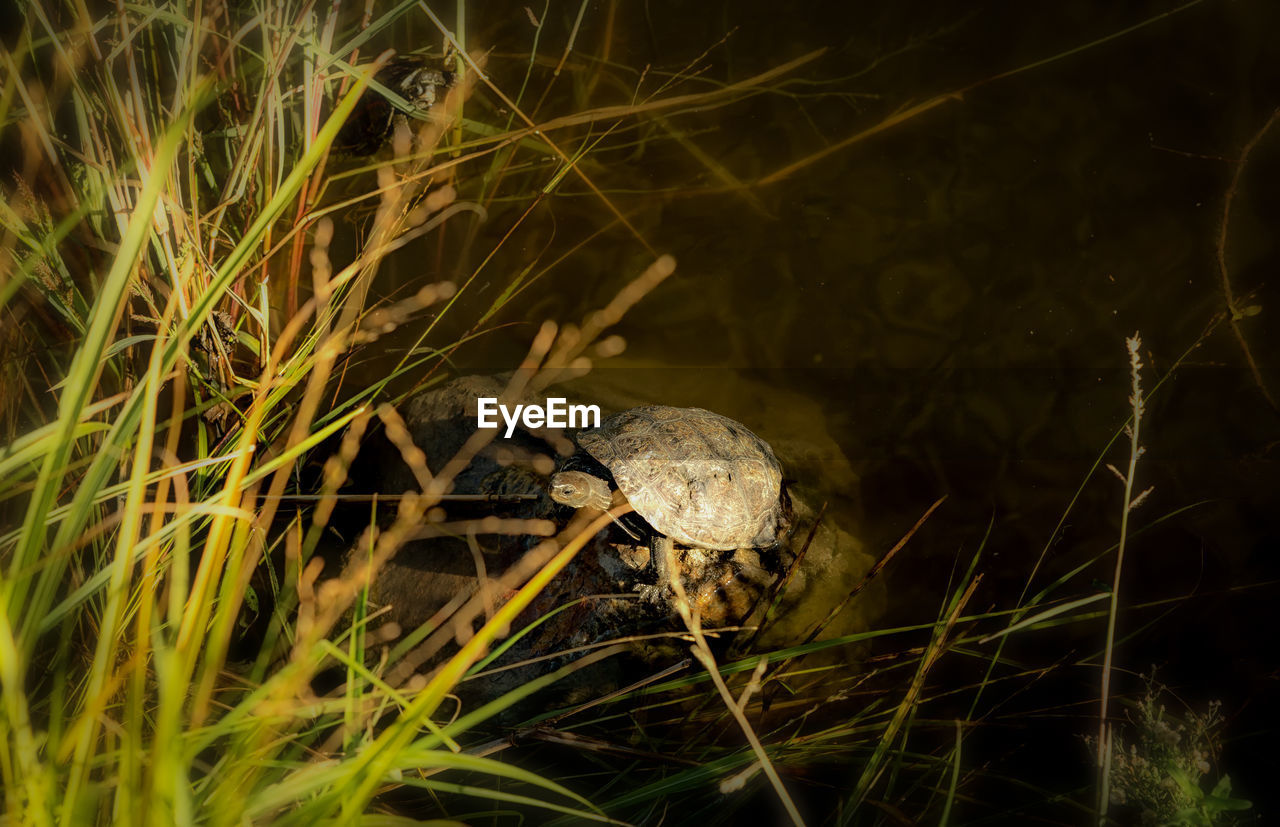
[(578, 489)]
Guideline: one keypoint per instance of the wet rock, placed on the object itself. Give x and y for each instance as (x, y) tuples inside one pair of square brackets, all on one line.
[(815, 470), (595, 598)]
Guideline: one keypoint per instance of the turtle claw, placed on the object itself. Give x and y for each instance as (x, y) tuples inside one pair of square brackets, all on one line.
[(655, 595)]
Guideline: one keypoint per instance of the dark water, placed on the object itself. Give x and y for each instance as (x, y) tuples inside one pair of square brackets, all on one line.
[(955, 292)]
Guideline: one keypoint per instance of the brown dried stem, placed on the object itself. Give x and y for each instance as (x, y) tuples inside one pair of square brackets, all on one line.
[(1235, 313)]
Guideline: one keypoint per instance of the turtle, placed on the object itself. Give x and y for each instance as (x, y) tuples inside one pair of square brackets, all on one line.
[(695, 477), (372, 123)]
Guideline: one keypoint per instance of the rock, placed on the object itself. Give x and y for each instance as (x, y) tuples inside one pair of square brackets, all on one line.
[(815, 470), (594, 598)]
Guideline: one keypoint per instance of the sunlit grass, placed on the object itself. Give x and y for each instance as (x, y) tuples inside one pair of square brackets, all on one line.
[(143, 515)]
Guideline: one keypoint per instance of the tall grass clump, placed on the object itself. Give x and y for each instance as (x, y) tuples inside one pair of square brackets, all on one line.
[(190, 293), (178, 328)]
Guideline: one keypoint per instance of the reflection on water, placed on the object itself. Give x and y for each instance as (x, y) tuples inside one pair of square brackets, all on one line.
[(941, 309)]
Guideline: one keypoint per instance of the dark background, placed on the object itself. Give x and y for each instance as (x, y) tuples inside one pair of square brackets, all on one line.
[(956, 292)]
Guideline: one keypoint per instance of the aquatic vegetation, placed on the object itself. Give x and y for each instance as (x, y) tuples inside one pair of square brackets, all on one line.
[(1162, 766)]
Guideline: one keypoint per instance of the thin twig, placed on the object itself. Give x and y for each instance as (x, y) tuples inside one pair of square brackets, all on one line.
[(1235, 313), (702, 652), (874, 571), (957, 94)]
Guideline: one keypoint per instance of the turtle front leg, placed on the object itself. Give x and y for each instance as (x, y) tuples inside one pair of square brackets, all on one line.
[(659, 549)]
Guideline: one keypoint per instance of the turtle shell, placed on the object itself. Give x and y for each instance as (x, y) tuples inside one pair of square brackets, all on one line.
[(700, 478), (372, 122)]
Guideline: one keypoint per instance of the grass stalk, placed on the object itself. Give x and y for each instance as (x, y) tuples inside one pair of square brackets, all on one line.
[(1137, 404), (703, 654)]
